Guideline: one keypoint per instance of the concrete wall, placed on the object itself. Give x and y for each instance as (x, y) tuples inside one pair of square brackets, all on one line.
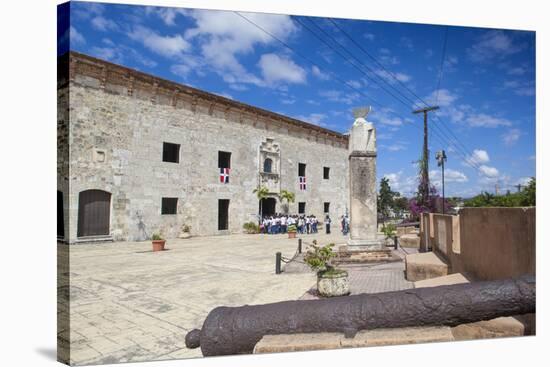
[(485, 243), (116, 135)]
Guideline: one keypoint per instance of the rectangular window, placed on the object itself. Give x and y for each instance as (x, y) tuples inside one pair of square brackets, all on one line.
[(326, 173), (302, 208), (224, 159), (170, 152), (301, 169), (326, 207), (223, 214), (169, 206)]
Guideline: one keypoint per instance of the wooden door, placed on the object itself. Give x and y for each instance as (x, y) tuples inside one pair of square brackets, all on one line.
[(94, 208)]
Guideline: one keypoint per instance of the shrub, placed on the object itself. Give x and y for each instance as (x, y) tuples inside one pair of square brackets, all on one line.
[(251, 227), (318, 257), (389, 230), (156, 237), (291, 228)]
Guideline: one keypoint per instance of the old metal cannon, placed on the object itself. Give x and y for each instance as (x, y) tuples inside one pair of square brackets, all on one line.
[(236, 330)]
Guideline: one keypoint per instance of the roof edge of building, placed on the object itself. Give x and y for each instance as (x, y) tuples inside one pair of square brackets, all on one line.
[(73, 57)]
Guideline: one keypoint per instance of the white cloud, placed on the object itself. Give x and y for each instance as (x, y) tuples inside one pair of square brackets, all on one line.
[(517, 71), (75, 37), (318, 73), (445, 98), (405, 185), (168, 15), (369, 36), (224, 36), (511, 136), (393, 77), (451, 175), (385, 57), (523, 181), (313, 118), (106, 53), (479, 156), (121, 53), (225, 95), (490, 172), (407, 43), (103, 24), (493, 44), (386, 116), (288, 101), (394, 147), (275, 68), (484, 120), (168, 46), (339, 96)]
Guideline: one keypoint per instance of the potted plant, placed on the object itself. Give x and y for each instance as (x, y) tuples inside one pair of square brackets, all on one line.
[(251, 228), (389, 231), (158, 242), (291, 230), (331, 282), (185, 231)]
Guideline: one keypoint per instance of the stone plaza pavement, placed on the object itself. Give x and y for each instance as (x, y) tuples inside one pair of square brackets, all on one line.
[(128, 304)]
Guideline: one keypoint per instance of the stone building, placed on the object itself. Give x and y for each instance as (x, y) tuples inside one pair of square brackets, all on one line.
[(138, 154)]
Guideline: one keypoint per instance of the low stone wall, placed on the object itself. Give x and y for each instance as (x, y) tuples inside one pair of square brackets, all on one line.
[(485, 243)]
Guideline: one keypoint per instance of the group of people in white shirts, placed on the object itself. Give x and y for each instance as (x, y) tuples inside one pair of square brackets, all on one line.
[(279, 223)]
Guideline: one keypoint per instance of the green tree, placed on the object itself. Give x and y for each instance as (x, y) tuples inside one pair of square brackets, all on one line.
[(261, 193), (286, 197), (400, 203), (530, 193), (526, 197), (385, 199)]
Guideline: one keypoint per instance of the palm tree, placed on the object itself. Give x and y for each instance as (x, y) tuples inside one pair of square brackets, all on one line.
[(287, 196), (261, 193)]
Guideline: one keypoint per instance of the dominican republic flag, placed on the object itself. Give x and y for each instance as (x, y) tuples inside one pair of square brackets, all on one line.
[(224, 175), (302, 182)]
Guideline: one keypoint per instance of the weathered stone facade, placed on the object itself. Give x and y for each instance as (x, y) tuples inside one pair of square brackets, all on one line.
[(112, 139)]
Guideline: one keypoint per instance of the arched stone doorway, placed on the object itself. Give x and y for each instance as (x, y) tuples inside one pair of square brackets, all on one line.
[(94, 209), (268, 206)]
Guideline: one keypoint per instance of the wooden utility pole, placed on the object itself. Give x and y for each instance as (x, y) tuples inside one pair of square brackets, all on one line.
[(519, 186), (425, 180), (441, 159)]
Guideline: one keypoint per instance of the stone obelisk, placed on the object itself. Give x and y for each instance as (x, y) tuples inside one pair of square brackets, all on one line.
[(362, 183)]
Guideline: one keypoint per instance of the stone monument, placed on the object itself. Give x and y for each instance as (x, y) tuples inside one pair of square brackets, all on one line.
[(362, 183)]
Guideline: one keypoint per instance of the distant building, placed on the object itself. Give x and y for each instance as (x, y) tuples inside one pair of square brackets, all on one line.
[(138, 154)]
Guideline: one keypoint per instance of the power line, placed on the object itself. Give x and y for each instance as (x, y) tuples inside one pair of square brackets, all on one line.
[(440, 132), (441, 65), (438, 136), (344, 57), (358, 45)]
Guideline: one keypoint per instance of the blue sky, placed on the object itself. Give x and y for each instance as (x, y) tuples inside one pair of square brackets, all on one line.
[(486, 121)]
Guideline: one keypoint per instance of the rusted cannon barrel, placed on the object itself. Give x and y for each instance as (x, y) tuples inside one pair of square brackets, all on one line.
[(236, 330)]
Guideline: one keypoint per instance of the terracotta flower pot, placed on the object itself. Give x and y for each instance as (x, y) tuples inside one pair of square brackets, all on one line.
[(158, 245), (291, 234)]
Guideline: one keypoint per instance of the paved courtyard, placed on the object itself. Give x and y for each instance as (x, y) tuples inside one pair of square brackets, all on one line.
[(129, 304)]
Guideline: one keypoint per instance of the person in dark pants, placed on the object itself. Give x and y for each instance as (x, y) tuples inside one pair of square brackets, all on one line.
[(327, 224)]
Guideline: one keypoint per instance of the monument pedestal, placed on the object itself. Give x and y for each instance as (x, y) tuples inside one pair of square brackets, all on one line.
[(363, 197)]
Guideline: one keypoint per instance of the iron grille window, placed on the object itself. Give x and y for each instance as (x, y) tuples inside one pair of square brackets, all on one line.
[(301, 208), (170, 152), (169, 206), (326, 207)]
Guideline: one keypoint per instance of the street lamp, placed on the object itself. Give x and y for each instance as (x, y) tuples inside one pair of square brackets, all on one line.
[(441, 159)]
